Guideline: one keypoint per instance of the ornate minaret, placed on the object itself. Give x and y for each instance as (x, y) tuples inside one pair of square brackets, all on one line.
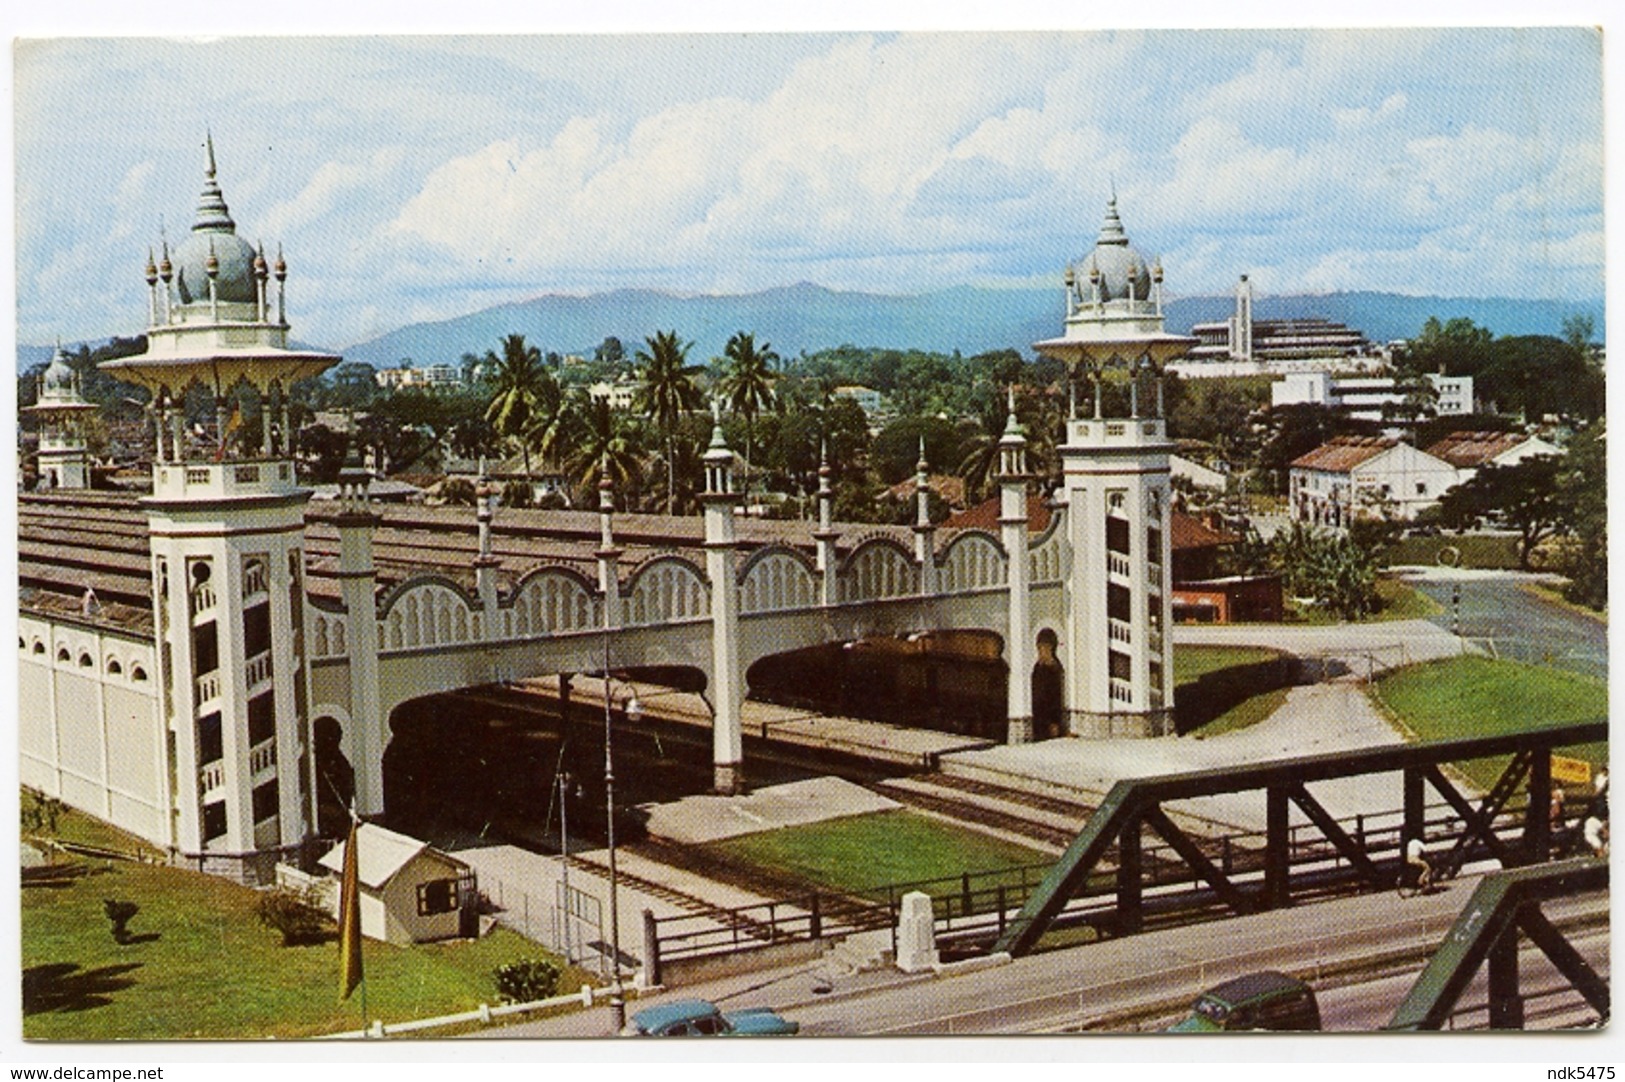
[(1115, 484), (62, 415), (727, 692), (1019, 646), (227, 527)]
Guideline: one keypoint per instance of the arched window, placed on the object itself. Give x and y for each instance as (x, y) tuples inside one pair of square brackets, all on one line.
[(39, 647), (86, 661), (62, 654), (113, 667), (138, 674)]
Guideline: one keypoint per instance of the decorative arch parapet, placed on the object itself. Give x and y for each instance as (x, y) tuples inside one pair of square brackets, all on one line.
[(425, 611), (1045, 552), (880, 567), (972, 560), (554, 599), (665, 590), (777, 577)]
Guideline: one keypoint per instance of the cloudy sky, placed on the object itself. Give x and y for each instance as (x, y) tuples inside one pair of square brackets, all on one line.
[(420, 178)]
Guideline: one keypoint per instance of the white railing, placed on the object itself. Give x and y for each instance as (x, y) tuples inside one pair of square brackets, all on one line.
[(212, 776), (202, 598), (1119, 631), (262, 756), (254, 580), (1122, 692), (208, 687), (1117, 563), (259, 669), (484, 1015)]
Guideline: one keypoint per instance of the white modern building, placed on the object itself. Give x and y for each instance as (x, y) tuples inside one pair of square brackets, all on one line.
[(1367, 397)]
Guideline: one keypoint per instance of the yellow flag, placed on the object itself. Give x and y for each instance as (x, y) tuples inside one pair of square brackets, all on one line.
[(349, 920)]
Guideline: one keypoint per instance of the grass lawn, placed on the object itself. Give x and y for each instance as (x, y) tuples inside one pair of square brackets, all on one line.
[(1244, 714), (862, 852), (1477, 696), (1492, 552), (202, 966), (1397, 600), (1191, 662)]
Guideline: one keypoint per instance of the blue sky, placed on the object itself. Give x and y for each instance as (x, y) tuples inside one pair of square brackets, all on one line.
[(420, 178)]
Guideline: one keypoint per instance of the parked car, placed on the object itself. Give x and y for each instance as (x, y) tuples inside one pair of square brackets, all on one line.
[(1266, 1000), (698, 1018)]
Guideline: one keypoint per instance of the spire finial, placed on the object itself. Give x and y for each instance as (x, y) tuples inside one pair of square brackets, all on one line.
[(208, 162), (921, 466)]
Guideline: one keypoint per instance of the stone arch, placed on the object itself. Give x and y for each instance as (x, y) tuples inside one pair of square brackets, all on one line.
[(973, 560), (39, 646), (63, 654), (113, 667), (878, 568), (86, 661), (776, 577), (138, 674), (1044, 552), (665, 590), (318, 636), (554, 599)]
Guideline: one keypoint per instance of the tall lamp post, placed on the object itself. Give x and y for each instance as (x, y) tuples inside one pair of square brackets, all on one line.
[(634, 711)]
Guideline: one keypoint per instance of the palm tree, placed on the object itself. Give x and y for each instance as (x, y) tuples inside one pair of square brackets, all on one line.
[(747, 384), (520, 383), (666, 391), (603, 446)]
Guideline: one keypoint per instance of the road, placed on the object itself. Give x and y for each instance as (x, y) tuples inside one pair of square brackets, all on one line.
[(1131, 984), (1496, 607)]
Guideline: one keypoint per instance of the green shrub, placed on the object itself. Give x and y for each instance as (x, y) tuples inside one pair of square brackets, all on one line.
[(527, 980), (297, 913)]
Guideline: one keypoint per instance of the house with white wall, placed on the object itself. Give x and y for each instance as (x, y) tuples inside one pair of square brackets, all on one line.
[(1353, 476)]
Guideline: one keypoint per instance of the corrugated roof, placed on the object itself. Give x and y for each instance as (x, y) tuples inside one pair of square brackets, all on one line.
[(1469, 449), (1342, 453)]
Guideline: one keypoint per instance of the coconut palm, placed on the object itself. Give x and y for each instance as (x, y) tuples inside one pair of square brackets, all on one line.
[(603, 445), (747, 384), (667, 390), (520, 382)]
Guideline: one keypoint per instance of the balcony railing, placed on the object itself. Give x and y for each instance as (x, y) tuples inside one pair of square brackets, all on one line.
[(1117, 564), (258, 670), (208, 687), (262, 757), (1122, 691), (1119, 631), (212, 776), (202, 598), (254, 580)]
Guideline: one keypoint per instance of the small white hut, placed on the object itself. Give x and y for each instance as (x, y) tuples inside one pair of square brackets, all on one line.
[(410, 892)]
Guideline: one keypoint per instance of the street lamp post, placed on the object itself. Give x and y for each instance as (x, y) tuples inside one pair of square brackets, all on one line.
[(617, 999)]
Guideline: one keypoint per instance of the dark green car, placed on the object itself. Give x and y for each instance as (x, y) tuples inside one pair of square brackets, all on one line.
[(1258, 1001)]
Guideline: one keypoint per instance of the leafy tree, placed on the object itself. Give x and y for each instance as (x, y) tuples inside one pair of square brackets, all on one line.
[(606, 445), (352, 385), (895, 451), (1332, 568), (610, 353), (520, 383), (667, 390), (1456, 348), (1578, 330), (1538, 375), (458, 492), (1524, 494), (518, 494), (1583, 489), (1296, 430)]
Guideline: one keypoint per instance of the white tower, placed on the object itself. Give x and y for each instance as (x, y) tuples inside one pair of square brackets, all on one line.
[(727, 689), (1241, 324), (227, 528), (1115, 483), (62, 416)]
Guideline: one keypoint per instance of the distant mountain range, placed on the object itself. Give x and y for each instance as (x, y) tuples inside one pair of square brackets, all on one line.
[(970, 319)]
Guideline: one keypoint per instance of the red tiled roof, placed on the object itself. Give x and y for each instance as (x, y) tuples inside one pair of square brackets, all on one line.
[(985, 516), (1342, 453), (1190, 532), (1475, 448)]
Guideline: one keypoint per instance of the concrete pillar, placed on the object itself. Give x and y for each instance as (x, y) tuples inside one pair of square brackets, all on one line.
[(609, 582), (358, 580), (1019, 642), (486, 564), (727, 688), (825, 535), (924, 548), (916, 934)]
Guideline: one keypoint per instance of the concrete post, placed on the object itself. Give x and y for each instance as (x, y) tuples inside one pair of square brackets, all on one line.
[(358, 582), (727, 690), (924, 548), (825, 535), (1019, 642)]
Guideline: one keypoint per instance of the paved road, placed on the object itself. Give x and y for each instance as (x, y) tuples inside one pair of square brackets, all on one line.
[(1496, 607), (1114, 985)]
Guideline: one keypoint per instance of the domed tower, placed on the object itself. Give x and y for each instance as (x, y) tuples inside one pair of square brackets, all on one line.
[(227, 531), (62, 415), (1115, 486)]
